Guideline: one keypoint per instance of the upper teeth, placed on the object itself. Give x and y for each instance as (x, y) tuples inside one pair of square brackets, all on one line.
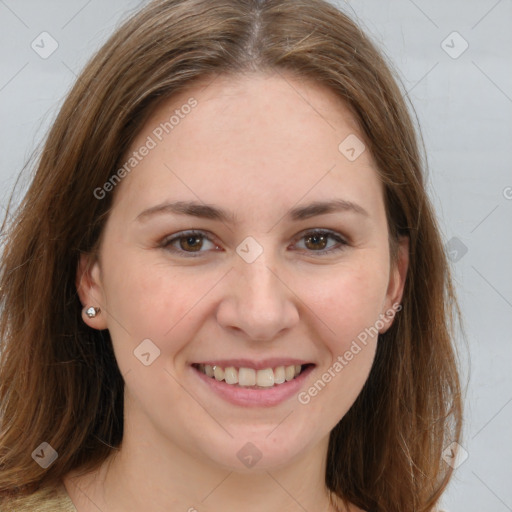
[(251, 377)]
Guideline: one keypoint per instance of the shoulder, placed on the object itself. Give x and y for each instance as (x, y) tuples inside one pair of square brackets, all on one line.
[(45, 499)]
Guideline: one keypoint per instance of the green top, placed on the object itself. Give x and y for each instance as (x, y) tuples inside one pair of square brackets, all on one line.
[(46, 499)]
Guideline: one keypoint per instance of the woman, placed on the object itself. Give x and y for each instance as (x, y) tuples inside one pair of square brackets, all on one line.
[(226, 285)]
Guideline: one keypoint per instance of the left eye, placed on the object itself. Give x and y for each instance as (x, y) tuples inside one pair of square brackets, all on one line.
[(319, 239), (191, 242)]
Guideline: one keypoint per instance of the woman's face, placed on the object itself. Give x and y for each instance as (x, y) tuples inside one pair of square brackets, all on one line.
[(248, 164)]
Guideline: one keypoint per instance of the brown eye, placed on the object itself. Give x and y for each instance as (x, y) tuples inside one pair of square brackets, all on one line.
[(192, 243), (187, 243), (317, 241)]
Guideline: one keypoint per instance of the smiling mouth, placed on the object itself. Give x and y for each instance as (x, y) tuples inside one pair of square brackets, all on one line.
[(244, 377)]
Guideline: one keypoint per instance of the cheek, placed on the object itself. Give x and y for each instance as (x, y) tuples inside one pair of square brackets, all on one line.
[(348, 299), (154, 300), (348, 306)]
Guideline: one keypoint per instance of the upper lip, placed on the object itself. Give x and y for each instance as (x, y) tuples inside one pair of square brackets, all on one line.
[(256, 365)]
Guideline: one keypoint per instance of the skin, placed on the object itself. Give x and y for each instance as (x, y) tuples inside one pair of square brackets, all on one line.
[(256, 146)]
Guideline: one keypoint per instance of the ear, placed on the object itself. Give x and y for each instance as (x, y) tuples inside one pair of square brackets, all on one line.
[(397, 277), (90, 290)]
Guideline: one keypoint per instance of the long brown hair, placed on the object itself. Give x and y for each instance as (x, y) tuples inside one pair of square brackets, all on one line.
[(59, 381)]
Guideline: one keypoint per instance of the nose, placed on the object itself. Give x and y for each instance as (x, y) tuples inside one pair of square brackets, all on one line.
[(258, 301)]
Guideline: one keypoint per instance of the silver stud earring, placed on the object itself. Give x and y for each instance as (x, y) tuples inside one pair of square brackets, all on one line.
[(92, 312)]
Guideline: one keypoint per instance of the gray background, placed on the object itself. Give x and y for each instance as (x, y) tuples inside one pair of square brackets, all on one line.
[(464, 105)]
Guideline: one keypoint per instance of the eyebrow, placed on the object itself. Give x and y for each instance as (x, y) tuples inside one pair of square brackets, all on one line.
[(205, 211)]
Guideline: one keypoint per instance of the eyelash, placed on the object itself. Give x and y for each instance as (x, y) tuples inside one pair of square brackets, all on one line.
[(166, 243)]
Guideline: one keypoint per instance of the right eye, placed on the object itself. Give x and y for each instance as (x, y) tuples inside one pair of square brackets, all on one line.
[(189, 242)]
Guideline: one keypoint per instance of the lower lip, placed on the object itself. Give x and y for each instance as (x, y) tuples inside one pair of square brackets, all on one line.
[(255, 397)]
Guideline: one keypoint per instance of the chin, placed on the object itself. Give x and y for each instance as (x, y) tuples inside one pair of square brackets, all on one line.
[(253, 450)]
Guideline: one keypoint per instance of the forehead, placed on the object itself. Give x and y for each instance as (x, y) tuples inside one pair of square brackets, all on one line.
[(252, 139)]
